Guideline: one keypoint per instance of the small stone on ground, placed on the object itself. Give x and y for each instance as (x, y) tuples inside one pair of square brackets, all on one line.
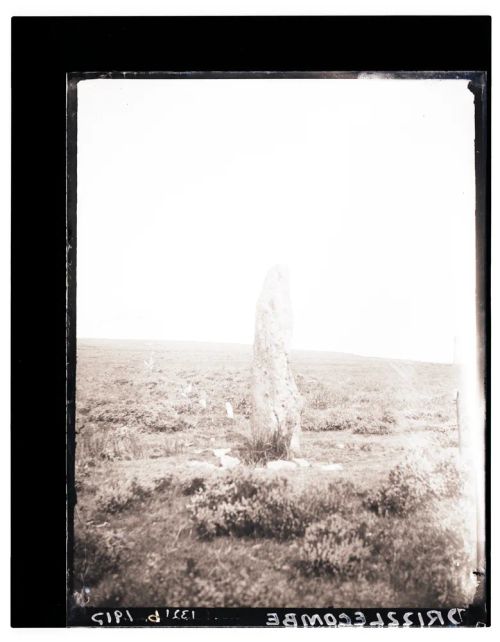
[(229, 462), (220, 452), (281, 464)]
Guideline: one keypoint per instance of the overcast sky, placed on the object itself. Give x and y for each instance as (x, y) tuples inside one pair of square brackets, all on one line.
[(190, 190)]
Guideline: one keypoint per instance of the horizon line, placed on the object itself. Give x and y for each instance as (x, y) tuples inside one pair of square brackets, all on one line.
[(249, 345)]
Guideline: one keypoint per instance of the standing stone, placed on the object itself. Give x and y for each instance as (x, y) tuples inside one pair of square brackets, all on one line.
[(276, 401)]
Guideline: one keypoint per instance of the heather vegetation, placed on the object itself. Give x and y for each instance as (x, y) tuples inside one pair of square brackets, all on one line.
[(159, 521)]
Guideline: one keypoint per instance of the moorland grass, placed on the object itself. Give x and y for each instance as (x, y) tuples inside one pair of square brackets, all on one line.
[(150, 529)]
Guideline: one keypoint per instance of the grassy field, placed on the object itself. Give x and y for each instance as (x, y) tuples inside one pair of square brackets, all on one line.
[(154, 525)]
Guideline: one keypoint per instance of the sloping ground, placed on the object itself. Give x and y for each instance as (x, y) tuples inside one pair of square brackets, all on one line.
[(146, 412)]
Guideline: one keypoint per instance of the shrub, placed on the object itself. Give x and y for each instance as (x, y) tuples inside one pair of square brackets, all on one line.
[(161, 423), (120, 496), (374, 423), (427, 560), (407, 487), (247, 504), (193, 485), (97, 553), (320, 398), (320, 420), (96, 443), (416, 481), (449, 477), (431, 561), (147, 416), (184, 484), (338, 545)]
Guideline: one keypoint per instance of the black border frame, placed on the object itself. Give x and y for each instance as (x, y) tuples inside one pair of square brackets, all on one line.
[(44, 51)]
